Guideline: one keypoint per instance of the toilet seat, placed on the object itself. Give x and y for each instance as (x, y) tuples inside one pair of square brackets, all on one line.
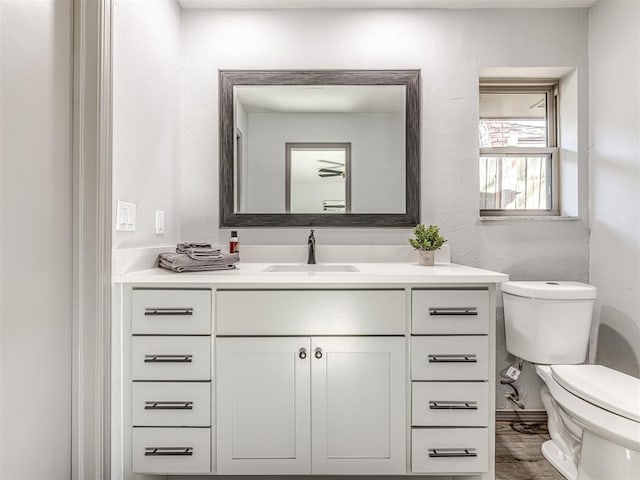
[(604, 387), (605, 423)]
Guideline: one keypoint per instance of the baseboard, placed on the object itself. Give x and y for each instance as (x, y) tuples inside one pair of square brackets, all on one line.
[(527, 416)]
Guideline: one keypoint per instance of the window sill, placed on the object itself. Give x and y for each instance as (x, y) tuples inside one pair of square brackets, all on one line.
[(519, 218)]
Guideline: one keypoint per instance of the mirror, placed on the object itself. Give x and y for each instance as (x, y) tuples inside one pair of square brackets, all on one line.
[(319, 148)]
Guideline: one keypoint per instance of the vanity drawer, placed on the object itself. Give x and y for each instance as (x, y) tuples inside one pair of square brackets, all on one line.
[(310, 312), (450, 358), (174, 312), (171, 450), (171, 404), (450, 404), (449, 450), (442, 312), (171, 358)]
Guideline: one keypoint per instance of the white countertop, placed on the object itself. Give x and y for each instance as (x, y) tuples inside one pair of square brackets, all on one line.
[(368, 273)]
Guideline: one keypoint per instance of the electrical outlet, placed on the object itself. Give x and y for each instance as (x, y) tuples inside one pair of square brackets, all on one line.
[(125, 217), (159, 222)]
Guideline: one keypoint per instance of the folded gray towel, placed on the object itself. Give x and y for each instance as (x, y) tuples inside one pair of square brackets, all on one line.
[(198, 254), (184, 247), (199, 251), (181, 262)]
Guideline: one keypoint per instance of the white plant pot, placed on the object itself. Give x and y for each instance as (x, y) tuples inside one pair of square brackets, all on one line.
[(426, 257)]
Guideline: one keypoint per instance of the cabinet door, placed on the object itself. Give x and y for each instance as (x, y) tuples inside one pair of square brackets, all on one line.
[(358, 397), (263, 403)]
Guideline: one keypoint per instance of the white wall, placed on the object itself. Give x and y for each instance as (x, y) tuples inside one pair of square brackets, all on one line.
[(307, 196), (377, 157), (35, 239), (568, 132), (147, 103), (449, 46), (614, 267)]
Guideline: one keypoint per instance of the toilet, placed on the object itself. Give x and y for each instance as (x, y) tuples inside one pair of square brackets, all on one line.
[(593, 411)]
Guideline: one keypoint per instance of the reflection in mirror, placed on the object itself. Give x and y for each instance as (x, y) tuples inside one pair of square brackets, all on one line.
[(318, 178), (316, 149)]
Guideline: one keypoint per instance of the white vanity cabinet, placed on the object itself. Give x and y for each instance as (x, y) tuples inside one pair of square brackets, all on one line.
[(169, 390), (263, 405), (329, 405), (358, 401), (309, 375), (452, 361), (321, 402)]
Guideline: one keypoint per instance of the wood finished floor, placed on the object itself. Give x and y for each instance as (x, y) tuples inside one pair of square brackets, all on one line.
[(518, 455)]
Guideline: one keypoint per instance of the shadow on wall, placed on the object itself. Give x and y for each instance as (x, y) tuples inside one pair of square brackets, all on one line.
[(618, 342)]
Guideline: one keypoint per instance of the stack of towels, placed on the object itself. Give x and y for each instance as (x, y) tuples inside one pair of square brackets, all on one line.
[(198, 257)]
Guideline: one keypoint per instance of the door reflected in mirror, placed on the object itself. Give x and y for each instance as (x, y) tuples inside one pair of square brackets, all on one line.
[(318, 178)]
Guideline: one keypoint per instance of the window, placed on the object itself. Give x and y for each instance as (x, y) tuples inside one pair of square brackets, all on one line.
[(518, 148)]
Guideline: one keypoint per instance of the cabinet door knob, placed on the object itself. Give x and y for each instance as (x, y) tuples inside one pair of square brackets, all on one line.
[(318, 353), (302, 353)]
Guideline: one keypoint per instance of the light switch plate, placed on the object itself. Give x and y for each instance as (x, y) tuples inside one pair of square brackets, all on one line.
[(125, 216), (159, 222)]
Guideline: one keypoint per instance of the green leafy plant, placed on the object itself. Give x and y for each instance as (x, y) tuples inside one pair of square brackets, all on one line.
[(427, 238)]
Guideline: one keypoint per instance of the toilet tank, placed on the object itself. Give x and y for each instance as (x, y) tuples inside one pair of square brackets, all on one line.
[(548, 322)]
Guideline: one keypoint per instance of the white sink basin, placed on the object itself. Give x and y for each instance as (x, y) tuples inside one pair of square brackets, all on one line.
[(317, 268)]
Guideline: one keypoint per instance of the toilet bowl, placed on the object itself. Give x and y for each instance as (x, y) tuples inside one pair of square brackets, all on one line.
[(594, 422), (593, 411)]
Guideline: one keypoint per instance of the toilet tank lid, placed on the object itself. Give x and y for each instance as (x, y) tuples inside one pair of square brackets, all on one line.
[(551, 289), (602, 386)]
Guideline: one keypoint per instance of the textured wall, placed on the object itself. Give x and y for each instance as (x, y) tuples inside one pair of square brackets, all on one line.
[(614, 267), (147, 101), (449, 46)]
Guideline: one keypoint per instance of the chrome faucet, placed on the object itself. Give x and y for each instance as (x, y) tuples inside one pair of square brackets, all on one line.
[(311, 241)]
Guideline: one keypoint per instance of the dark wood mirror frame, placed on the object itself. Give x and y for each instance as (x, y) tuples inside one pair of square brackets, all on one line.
[(409, 78)]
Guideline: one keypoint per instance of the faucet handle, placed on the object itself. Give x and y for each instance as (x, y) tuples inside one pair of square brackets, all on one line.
[(311, 241)]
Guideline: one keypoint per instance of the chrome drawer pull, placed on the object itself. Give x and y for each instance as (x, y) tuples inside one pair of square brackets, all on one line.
[(451, 311), (452, 452), (156, 312), (453, 358), (452, 405), (168, 358), (168, 405), (168, 451)]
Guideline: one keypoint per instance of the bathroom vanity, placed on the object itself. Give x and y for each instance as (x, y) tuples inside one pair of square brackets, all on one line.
[(389, 369)]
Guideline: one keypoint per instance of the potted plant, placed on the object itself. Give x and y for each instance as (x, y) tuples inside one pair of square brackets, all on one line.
[(426, 241)]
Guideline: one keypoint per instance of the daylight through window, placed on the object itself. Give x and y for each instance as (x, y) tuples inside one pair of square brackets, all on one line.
[(518, 154)]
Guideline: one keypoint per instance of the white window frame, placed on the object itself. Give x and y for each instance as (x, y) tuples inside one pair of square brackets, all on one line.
[(550, 88)]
